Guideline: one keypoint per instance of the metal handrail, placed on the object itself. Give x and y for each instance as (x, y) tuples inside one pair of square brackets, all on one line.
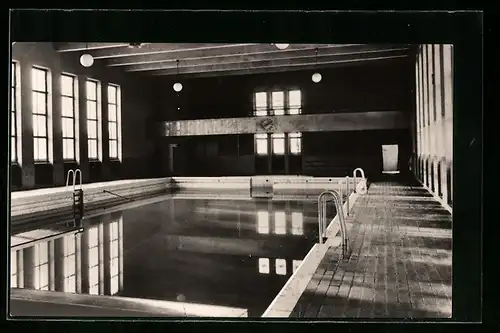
[(363, 189), (74, 173), (347, 193), (340, 213)]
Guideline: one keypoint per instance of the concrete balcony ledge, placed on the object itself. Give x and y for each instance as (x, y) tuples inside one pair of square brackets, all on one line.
[(25, 302)]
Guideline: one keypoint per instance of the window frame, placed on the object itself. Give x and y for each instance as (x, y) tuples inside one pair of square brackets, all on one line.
[(74, 116), (14, 112), (97, 120), (116, 122), (36, 138)]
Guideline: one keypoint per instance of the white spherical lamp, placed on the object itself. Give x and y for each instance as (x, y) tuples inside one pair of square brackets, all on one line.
[(177, 86), (316, 77), (86, 60), (282, 46)]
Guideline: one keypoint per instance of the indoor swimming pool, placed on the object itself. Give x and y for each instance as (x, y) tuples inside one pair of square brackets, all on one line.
[(230, 253)]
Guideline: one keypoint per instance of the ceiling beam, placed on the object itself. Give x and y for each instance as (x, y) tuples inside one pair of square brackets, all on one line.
[(75, 47), (265, 70), (324, 53), (235, 49), (308, 62), (158, 48)]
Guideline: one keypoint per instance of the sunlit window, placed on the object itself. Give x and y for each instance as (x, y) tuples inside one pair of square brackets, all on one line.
[(41, 252), (13, 269), (68, 111), (114, 115), (263, 222), (13, 109), (260, 104), (280, 223), (70, 264), (93, 260), (40, 96), (296, 264), (261, 144), (295, 140), (281, 266), (294, 102), (278, 140), (297, 223), (264, 265), (93, 119), (278, 103)]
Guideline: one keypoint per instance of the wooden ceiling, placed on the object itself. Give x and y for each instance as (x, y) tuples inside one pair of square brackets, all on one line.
[(202, 60)]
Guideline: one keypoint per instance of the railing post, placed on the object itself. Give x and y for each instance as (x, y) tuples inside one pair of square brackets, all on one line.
[(340, 214), (347, 193)]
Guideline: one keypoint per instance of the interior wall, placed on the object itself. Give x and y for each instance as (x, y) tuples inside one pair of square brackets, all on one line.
[(136, 121), (433, 162)]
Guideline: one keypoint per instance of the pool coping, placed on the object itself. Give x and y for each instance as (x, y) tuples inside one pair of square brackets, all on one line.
[(286, 300)]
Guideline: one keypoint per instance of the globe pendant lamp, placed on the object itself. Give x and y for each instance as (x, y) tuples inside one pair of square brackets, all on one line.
[(281, 46), (86, 60), (316, 77), (177, 86)]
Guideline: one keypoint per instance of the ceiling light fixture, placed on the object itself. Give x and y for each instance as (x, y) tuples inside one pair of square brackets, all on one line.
[(177, 86), (282, 46), (86, 60), (316, 77)]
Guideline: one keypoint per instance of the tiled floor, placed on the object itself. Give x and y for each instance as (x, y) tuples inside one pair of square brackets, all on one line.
[(399, 265)]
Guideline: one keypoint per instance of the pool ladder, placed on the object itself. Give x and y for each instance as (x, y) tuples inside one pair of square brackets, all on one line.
[(339, 207), (77, 196)]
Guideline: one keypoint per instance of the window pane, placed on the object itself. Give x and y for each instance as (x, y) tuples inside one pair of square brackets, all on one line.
[(295, 145), (293, 111), (114, 249), (112, 130), (278, 99), (261, 136), (69, 245), (113, 227), (13, 152), (67, 83), (112, 94), (294, 99), (39, 78), (260, 113), (114, 267), (67, 127), (262, 222), (279, 146), (264, 265), (13, 262), (279, 112), (114, 285), (69, 265), (280, 223), (281, 266), (297, 223), (67, 106), (93, 149), (13, 99), (261, 100), (91, 110), (93, 237), (93, 256), (43, 253), (94, 276), (39, 126), (91, 90), (40, 149), (13, 123), (39, 103), (13, 75), (92, 129), (261, 147), (68, 149), (112, 112), (44, 275), (113, 153)]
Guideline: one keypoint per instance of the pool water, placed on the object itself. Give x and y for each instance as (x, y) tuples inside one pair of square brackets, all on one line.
[(233, 253)]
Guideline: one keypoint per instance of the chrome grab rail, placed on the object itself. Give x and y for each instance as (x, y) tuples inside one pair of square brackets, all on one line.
[(347, 193), (74, 173), (362, 189), (340, 213)]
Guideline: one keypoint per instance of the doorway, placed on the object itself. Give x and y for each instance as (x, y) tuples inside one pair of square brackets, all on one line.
[(390, 156)]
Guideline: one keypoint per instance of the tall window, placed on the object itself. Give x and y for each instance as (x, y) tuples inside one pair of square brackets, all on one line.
[(68, 98), (295, 143), (93, 243), (69, 264), (261, 104), (294, 102), (13, 115), (40, 117), (278, 103), (42, 266), (93, 119), (114, 230), (261, 144), (13, 269), (278, 140), (114, 121)]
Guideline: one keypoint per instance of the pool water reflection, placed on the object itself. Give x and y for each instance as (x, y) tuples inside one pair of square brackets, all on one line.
[(226, 253)]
